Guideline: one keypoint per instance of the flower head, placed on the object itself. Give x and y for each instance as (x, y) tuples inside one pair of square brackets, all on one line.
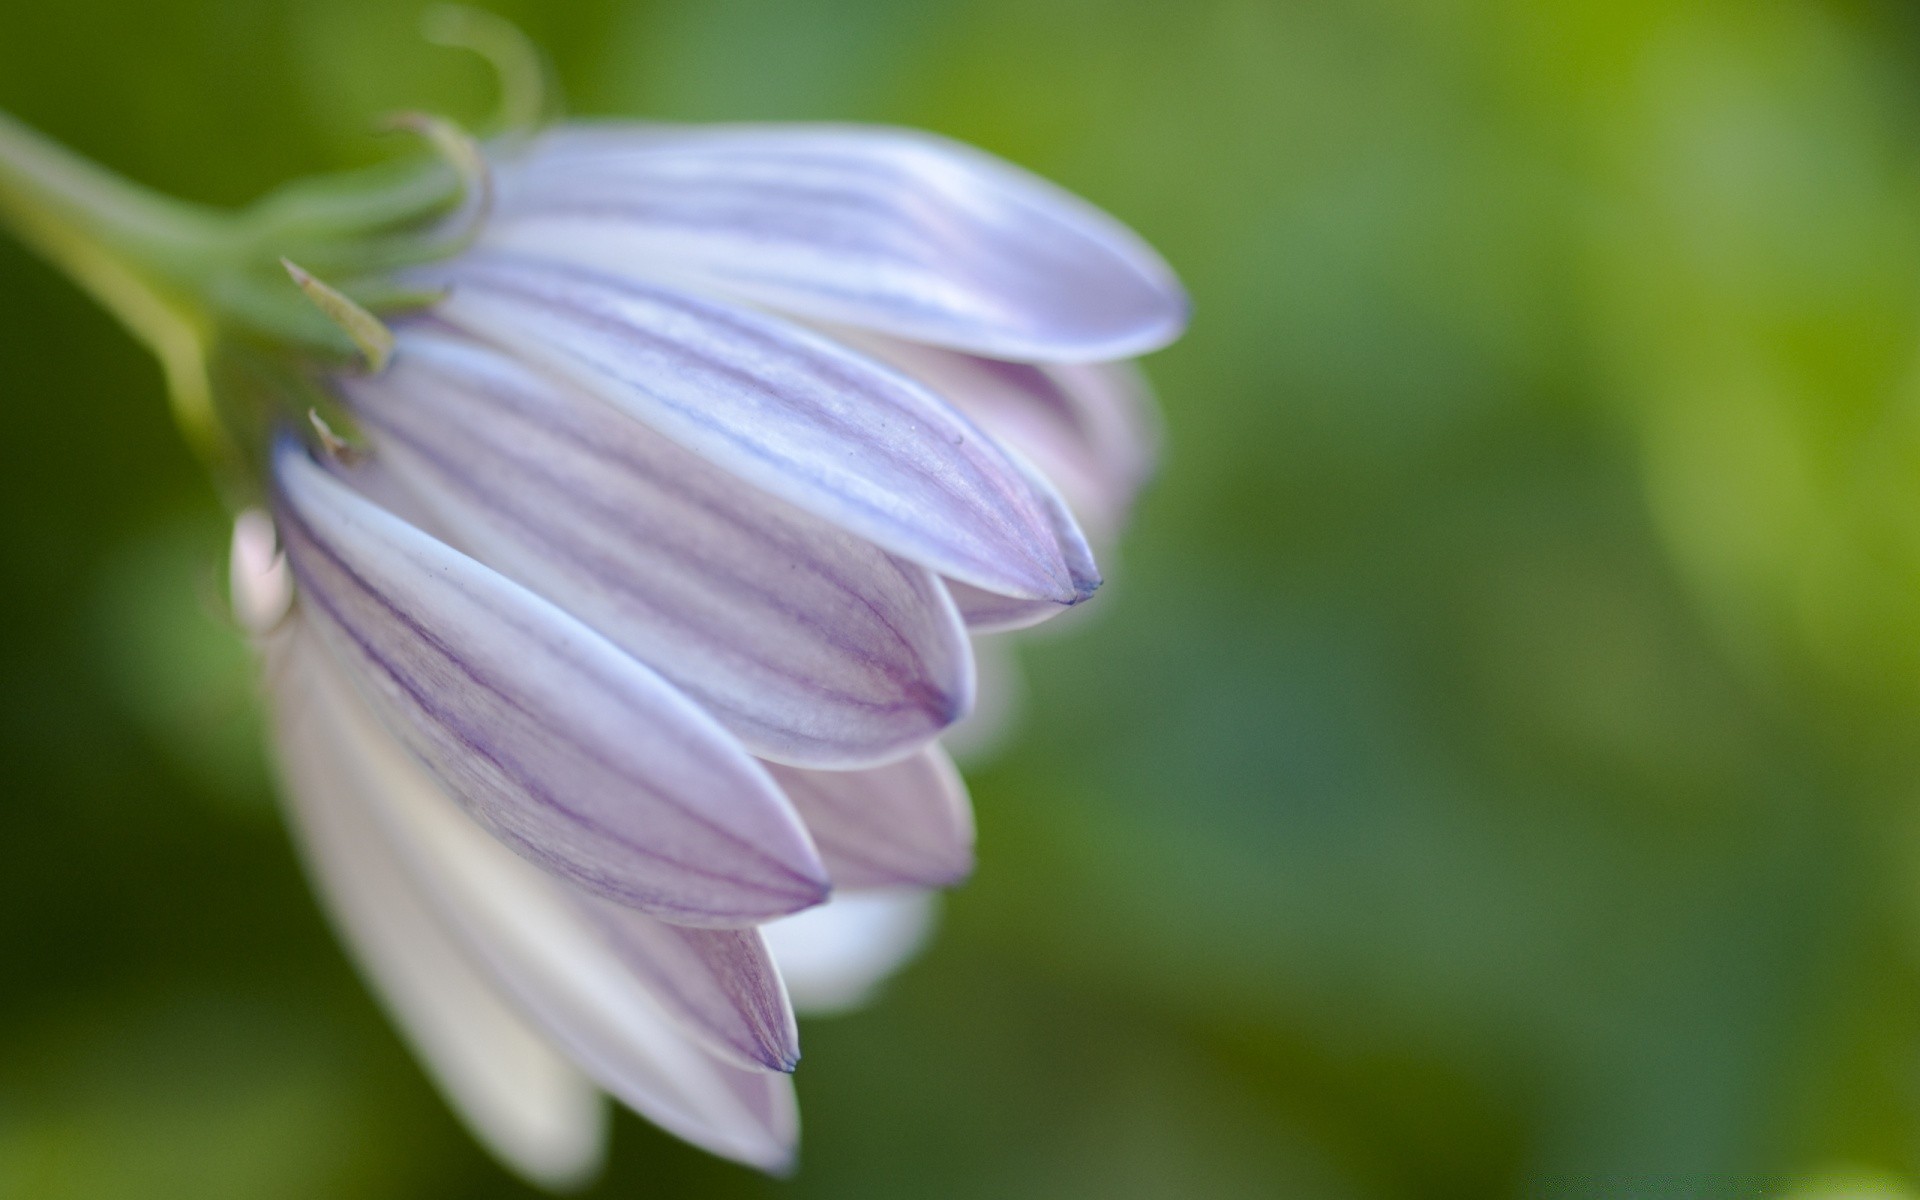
[(623, 613)]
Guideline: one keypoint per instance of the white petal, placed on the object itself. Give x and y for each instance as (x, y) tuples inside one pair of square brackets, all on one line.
[(564, 746), (809, 644), (835, 956), (260, 584), (907, 823), (536, 945), (889, 229), (514, 1090), (782, 408)]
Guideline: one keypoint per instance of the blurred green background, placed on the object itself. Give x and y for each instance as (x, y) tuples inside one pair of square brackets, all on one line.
[(1497, 771)]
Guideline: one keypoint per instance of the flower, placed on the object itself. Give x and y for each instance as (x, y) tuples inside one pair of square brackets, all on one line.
[(622, 623)]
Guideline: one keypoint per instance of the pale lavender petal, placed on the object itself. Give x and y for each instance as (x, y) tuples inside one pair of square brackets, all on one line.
[(720, 984), (1090, 428), (1001, 689), (907, 823), (889, 229), (516, 1092), (811, 645), (563, 745), (989, 612), (986, 611), (530, 938), (783, 408), (835, 956)]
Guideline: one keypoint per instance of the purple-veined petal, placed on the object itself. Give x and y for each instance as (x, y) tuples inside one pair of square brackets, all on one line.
[(907, 823), (835, 956), (1086, 433), (534, 943), (889, 229), (1091, 428), (516, 1092), (563, 745), (781, 407), (719, 984), (811, 645), (988, 611)]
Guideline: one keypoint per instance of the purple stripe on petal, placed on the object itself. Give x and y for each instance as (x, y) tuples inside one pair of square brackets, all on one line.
[(561, 744), (892, 230), (990, 612), (516, 1092), (812, 645), (905, 823), (783, 408), (720, 984), (1090, 428), (526, 933)]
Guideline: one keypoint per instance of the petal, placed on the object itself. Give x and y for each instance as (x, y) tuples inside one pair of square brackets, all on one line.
[(782, 408), (835, 956), (517, 1094), (560, 743), (534, 944), (988, 611), (259, 584), (889, 229), (905, 823), (1090, 428), (720, 984), (811, 645)]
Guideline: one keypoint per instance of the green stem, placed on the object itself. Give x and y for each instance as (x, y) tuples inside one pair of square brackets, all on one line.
[(131, 249), (187, 280)]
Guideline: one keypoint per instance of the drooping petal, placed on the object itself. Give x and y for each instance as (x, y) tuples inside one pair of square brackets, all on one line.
[(539, 949), (514, 1090), (989, 611), (890, 229), (811, 645), (720, 984), (1091, 428), (907, 823), (835, 956), (563, 745), (783, 408)]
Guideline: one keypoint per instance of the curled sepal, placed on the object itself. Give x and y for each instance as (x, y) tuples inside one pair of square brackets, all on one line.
[(782, 408), (811, 645), (568, 749), (533, 945), (907, 823), (525, 90), (459, 151)]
